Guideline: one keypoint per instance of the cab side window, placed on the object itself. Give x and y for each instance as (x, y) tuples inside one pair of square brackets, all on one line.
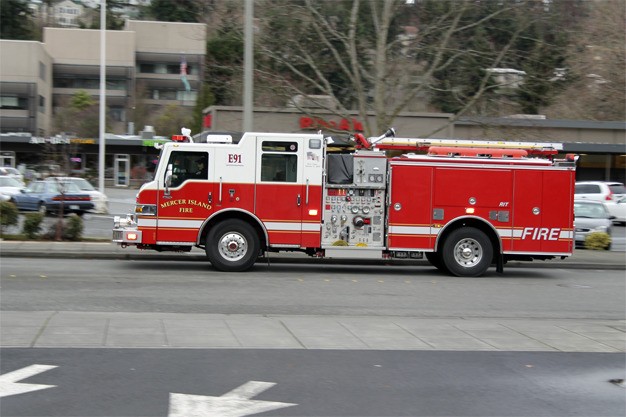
[(279, 162), (188, 166)]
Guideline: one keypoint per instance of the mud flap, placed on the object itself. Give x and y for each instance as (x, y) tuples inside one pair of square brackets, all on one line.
[(500, 264)]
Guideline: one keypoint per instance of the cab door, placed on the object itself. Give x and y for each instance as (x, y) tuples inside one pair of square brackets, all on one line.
[(285, 193), (186, 201)]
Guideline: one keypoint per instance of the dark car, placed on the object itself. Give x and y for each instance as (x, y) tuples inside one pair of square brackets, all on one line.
[(48, 197)]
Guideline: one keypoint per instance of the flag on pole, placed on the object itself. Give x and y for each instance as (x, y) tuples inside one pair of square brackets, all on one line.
[(183, 74)]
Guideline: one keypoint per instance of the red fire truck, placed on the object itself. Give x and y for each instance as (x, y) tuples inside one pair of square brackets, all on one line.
[(464, 205)]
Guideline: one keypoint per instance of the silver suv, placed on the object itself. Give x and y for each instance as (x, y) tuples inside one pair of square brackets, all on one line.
[(599, 190)]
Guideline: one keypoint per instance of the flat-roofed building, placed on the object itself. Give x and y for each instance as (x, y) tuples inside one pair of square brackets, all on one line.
[(157, 63), (25, 87)]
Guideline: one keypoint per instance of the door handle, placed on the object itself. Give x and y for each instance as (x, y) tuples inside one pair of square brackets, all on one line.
[(306, 200), (298, 200), (210, 198)]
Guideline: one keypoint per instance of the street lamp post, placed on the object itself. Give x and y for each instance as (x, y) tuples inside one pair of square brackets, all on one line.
[(101, 150)]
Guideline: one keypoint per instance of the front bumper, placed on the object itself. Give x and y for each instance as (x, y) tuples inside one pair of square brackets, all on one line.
[(125, 231)]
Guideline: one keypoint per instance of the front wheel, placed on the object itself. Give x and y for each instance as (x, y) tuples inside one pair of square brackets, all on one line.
[(42, 209), (232, 246), (436, 260), (467, 252)]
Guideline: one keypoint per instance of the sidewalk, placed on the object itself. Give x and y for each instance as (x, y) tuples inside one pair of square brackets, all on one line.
[(80, 329), (584, 259)]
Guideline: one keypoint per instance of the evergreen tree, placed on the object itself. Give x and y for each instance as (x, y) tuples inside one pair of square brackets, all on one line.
[(176, 10), (205, 99), (16, 20)]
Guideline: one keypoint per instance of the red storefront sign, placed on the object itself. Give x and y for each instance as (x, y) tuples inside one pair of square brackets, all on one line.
[(316, 123)]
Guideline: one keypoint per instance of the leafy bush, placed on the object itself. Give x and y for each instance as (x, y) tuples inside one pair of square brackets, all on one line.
[(597, 241), (8, 214), (71, 229), (32, 224), (74, 227)]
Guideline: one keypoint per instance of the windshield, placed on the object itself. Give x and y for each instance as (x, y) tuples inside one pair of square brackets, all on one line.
[(83, 184), (590, 211), (9, 182)]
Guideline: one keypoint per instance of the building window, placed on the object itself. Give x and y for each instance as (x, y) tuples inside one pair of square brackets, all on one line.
[(147, 68), (118, 114), (13, 103), (42, 71), (42, 104)]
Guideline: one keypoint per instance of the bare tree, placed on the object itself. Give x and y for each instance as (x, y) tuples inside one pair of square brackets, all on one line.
[(597, 66), (363, 60)]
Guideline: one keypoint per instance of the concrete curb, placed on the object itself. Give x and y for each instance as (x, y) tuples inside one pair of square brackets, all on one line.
[(80, 250)]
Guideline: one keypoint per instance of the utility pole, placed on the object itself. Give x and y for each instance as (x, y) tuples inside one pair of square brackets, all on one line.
[(101, 148), (248, 62)]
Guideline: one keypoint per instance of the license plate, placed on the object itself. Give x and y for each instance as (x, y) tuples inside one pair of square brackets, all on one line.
[(74, 207)]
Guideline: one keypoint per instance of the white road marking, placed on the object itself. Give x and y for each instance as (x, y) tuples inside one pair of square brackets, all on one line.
[(234, 403), (10, 386)]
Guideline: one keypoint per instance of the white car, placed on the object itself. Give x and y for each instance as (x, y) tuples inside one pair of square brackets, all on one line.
[(100, 200), (9, 186), (617, 209), (14, 173), (590, 216), (599, 190)]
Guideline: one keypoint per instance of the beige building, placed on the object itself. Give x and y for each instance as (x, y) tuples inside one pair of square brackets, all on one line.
[(25, 87), (145, 58)]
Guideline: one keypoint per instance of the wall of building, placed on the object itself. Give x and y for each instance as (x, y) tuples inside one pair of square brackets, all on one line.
[(82, 46), (168, 37), (230, 118), (26, 72)]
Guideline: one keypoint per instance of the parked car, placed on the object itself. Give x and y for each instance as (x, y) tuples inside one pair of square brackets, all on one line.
[(100, 200), (47, 197), (590, 216), (617, 209), (9, 186), (12, 172), (43, 171), (599, 190)]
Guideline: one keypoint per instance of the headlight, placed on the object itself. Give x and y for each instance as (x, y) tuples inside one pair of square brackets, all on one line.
[(603, 229), (146, 209), (128, 221)]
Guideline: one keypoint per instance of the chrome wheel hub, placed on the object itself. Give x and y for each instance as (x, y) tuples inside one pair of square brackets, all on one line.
[(468, 253), (233, 246)]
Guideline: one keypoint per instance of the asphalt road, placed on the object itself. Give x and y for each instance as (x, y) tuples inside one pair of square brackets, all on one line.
[(307, 289), (144, 382)]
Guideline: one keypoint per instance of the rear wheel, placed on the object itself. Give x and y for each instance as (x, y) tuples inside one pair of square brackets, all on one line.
[(232, 246), (467, 252)]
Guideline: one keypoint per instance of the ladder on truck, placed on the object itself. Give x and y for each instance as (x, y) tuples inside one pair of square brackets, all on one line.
[(388, 141)]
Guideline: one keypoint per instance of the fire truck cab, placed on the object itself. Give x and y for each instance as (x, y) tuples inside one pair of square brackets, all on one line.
[(464, 208)]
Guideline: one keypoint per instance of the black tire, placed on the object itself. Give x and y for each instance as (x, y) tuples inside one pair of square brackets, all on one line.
[(467, 252), (435, 260), (232, 246)]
